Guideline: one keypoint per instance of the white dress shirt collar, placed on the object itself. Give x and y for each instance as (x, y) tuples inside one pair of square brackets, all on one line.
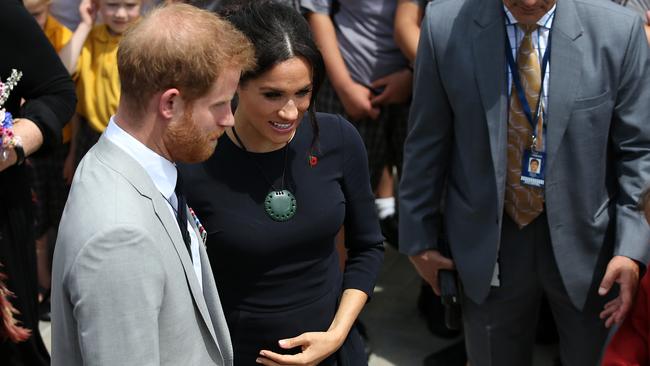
[(162, 171), (546, 21)]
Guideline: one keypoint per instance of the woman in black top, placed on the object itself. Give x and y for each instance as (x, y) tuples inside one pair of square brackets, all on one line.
[(272, 254), (49, 103)]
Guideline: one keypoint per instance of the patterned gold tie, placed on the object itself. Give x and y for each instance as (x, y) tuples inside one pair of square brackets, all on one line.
[(523, 203)]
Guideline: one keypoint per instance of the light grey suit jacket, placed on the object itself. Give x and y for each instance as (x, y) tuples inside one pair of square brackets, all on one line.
[(124, 290), (598, 139)]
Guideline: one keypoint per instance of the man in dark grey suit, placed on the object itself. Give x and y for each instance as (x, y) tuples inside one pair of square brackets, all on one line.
[(496, 84), (132, 284)]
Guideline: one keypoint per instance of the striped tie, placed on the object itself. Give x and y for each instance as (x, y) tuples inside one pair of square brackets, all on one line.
[(523, 203)]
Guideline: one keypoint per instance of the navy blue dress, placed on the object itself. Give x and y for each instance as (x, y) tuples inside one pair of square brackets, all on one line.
[(280, 279)]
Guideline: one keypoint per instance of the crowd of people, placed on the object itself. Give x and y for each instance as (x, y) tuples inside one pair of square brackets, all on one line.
[(213, 181)]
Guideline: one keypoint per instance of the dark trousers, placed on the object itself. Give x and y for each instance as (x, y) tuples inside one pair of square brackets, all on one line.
[(501, 330)]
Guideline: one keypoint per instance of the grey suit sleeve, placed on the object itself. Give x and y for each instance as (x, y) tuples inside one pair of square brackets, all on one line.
[(630, 135), (116, 286), (426, 152)]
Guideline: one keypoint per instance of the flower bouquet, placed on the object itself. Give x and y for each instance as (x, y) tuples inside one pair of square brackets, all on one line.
[(7, 137)]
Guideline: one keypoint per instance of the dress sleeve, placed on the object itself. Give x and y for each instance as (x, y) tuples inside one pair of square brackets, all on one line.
[(45, 86), (363, 237), (629, 346)]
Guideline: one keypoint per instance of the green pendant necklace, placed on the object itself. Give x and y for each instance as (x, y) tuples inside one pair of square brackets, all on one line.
[(279, 204)]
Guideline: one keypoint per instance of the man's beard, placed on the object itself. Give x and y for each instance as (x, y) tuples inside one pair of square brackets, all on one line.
[(186, 143)]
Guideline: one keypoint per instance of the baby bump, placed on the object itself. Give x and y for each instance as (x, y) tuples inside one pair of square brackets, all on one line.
[(252, 332)]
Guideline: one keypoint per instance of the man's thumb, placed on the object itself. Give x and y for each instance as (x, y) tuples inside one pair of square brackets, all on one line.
[(607, 282)]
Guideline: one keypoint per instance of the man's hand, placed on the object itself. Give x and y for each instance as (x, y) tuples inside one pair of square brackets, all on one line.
[(428, 263), (397, 88), (625, 272), (356, 101), (316, 346)]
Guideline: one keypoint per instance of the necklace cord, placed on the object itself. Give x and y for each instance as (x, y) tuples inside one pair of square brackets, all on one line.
[(259, 167)]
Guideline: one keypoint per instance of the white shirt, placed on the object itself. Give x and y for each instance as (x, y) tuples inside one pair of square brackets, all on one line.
[(540, 41), (163, 173)]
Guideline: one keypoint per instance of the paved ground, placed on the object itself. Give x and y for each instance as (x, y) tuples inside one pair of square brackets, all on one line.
[(398, 335)]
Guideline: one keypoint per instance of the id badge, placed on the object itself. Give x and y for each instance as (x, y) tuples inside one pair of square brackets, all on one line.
[(532, 168)]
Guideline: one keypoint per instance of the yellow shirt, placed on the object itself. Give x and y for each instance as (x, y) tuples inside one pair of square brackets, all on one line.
[(98, 83), (57, 33), (59, 36)]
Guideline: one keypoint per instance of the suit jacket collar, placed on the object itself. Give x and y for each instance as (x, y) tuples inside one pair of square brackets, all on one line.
[(566, 61), (162, 172), (488, 50), (127, 167)]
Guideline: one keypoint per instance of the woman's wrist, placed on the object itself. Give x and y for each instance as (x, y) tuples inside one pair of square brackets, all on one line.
[(338, 334)]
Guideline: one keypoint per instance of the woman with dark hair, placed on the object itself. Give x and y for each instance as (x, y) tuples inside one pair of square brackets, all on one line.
[(272, 198)]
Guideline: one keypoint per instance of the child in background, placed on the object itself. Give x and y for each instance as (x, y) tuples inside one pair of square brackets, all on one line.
[(48, 186), (56, 32), (91, 59)]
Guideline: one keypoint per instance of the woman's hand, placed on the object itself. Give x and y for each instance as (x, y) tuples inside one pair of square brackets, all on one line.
[(316, 346)]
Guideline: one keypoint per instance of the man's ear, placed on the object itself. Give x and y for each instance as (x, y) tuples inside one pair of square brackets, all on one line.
[(170, 103)]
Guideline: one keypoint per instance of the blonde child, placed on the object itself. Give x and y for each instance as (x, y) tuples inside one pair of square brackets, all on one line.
[(58, 34), (91, 59)]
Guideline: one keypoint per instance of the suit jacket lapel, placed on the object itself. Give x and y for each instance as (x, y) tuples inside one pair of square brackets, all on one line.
[(491, 79), (219, 325), (138, 177), (566, 58)]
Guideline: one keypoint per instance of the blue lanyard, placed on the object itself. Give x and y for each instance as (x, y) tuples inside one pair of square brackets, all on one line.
[(514, 70)]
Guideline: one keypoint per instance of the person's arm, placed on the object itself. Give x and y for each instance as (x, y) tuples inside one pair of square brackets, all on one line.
[(115, 287), (317, 346), (426, 155), (630, 137), (70, 53), (408, 17), (45, 86), (354, 96), (31, 139)]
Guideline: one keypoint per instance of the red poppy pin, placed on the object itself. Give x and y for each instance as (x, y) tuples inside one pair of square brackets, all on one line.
[(313, 160)]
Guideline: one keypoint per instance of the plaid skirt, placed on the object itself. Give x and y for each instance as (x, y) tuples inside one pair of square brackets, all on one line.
[(383, 137), (49, 191), (87, 137)]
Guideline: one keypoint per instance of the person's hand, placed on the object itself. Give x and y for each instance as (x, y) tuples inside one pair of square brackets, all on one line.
[(625, 272), (397, 88), (428, 263), (316, 346), (11, 160), (356, 101), (88, 11), (69, 168)]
